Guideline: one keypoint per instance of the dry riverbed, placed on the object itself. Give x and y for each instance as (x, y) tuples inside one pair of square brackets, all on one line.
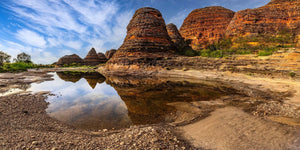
[(197, 125)]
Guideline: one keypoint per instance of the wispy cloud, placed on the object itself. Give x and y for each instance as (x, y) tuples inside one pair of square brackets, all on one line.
[(66, 24), (179, 18), (31, 38), (74, 44)]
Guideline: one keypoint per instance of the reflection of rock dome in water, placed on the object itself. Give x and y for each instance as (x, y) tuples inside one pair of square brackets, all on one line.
[(146, 99), (69, 76), (93, 78)]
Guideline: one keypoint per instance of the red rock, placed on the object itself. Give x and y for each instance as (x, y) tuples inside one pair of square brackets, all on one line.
[(147, 37), (69, 59), (276, 16), (110, 53), (206, 25), (92, 58), (102, 57), (175, 36)]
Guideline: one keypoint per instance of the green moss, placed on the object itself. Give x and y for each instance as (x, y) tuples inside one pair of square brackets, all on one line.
[(292, 74)]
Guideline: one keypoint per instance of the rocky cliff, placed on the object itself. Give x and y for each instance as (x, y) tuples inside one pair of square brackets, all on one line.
[(272, 18), (92, 58), (147, 38), (69, 59), (110, 53), (175, 36), (206, 25), (102, 57)]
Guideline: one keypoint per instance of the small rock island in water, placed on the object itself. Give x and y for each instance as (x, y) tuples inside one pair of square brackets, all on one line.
[(223, 80)]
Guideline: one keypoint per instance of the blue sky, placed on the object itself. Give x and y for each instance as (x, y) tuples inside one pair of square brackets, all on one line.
[(50, 29)]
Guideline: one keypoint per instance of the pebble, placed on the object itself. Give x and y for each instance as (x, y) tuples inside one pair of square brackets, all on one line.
[(35, 143)]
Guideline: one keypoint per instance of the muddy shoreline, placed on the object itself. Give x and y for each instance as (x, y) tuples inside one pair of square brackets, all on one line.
[(25, 124)]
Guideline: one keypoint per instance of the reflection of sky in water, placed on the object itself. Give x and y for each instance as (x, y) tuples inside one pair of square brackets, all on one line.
[(80, 105)]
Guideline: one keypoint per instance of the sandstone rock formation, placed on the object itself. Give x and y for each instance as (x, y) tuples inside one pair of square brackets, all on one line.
[(110, 53), (69, 59), (206, 25), (147, 37), (269, 19), (92, 58), (175, 36), (102, 57)]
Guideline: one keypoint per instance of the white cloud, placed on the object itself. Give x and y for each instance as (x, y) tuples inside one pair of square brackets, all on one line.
[(179, 18), (74, 44), (37, 54), (31, 38), (53, 42), (66, 25), (47, 13)]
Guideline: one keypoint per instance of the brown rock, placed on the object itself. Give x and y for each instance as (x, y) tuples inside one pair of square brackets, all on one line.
[(110, 53), (276, 16), (102, 57), (206, 25), (92, 58), (69, 59), (147, 37), (175, 36)]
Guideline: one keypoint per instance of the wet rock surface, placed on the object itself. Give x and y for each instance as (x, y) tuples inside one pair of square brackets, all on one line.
[(206, 25)]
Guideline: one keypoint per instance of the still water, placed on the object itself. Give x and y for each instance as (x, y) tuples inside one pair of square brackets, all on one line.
[(91, 101)]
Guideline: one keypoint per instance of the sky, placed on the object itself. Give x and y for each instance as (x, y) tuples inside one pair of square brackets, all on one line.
[(50, 29)]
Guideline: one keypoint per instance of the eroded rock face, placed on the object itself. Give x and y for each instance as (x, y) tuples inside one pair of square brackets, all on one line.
[(92, 58), (272, 18), (69, 59), (175, 36), (110, 53), (147, 37), (206, 25), (102, 57)]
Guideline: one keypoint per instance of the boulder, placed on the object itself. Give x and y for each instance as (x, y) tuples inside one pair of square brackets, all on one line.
[(69, 59), (92, 58), (206, 25)]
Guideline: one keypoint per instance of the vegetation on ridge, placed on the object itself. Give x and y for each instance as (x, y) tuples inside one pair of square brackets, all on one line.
[(21, 63), (261, 45)]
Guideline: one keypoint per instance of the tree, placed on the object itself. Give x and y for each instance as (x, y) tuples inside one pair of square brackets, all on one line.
[(4, 58), (23, 57)]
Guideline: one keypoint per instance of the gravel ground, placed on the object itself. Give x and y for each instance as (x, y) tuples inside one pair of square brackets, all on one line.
[(25, 125)]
